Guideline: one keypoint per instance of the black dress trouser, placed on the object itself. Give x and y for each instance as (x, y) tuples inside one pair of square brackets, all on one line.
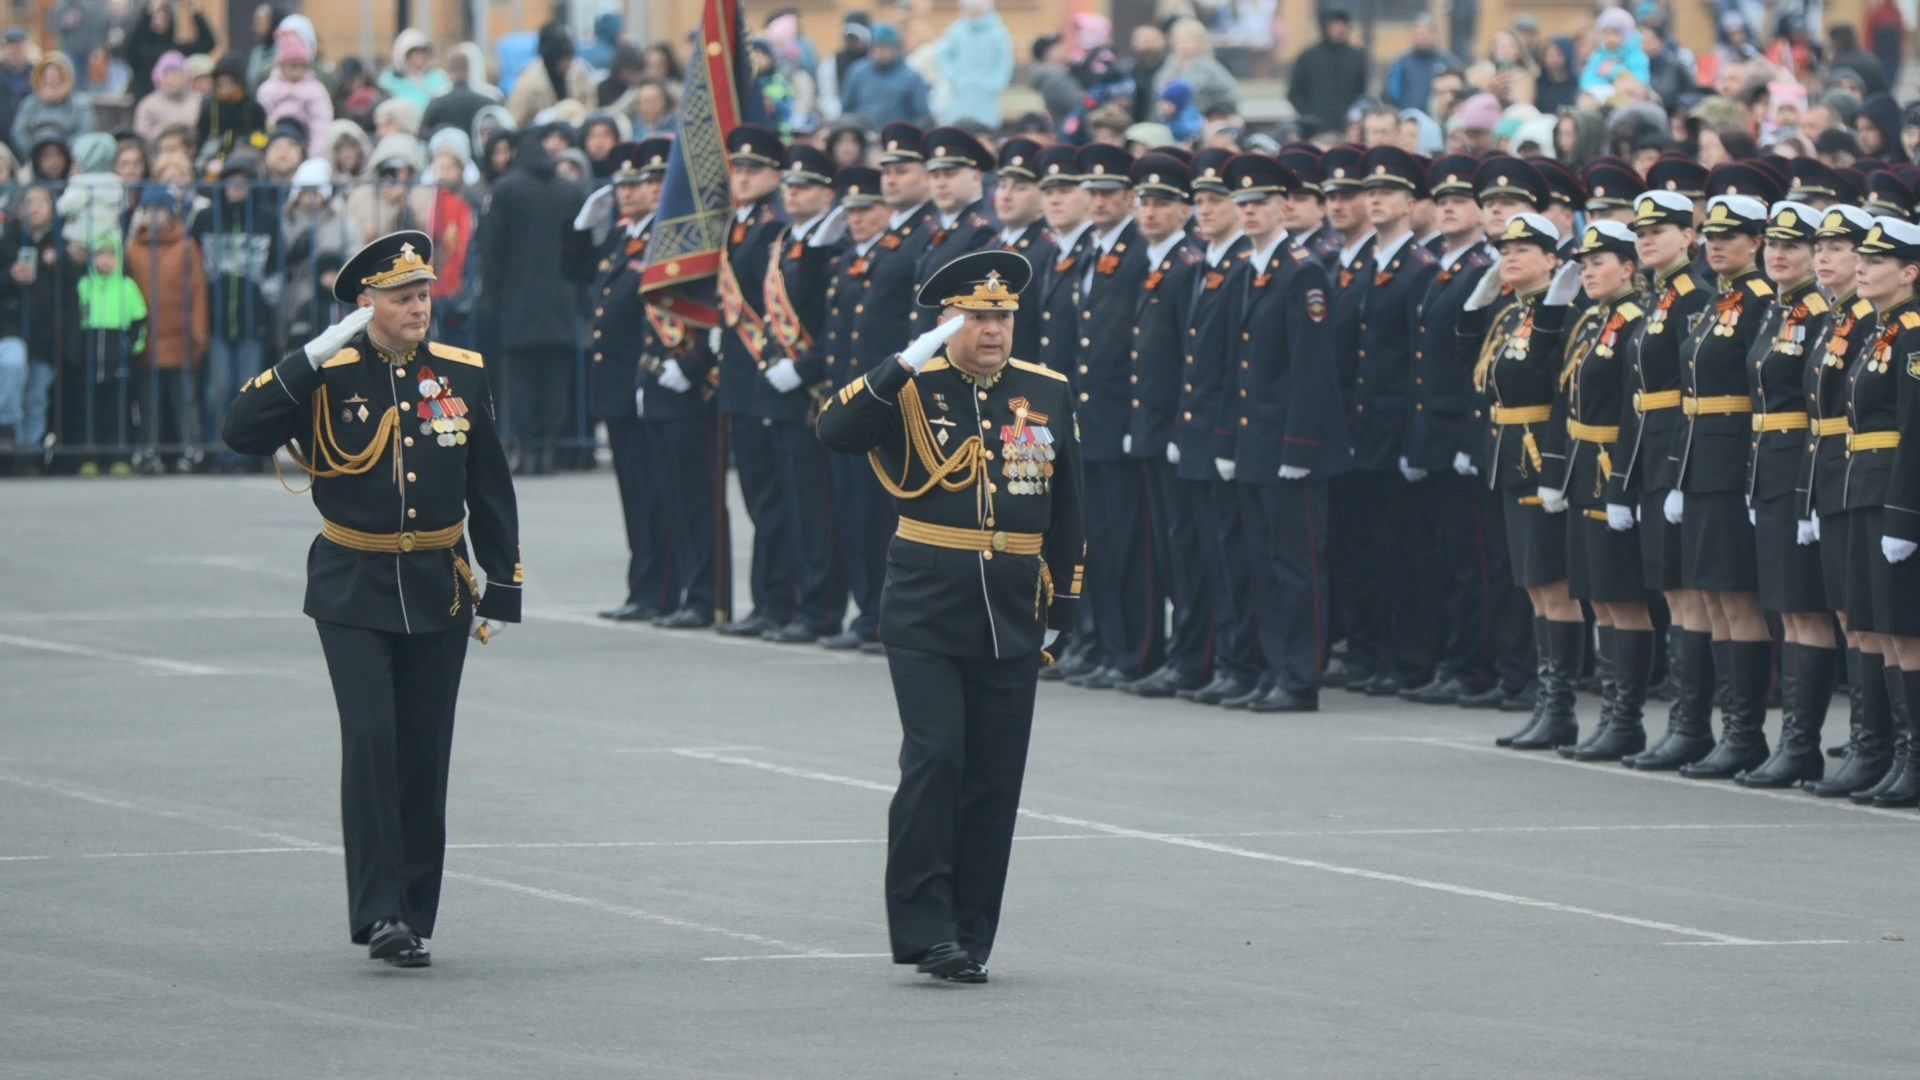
[(395, 693), (963, 752)]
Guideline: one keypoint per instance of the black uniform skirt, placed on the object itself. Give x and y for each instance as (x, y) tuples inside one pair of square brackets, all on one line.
[(1834, 540), (1659, 543), (1603, 566), (1791, 576), (1892, 587), (1536, 541), (1716, 543)]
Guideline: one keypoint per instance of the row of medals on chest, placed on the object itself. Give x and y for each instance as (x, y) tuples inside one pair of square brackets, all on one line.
[(1026, 446), (442, 415)]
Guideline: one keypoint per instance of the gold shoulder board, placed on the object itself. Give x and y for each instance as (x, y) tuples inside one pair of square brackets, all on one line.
[(1037, 369), (1759, 287), (938, 363), (1630, 311), (1862, 308), (1816, 304), (458, 356), (343, 358), (1910, 320), (1683, 284)]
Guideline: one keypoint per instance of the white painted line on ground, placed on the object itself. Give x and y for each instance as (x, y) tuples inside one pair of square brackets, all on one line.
[(700, 637), (174, 615), (156, 663), (97, 799), (1769, 944), (1797, 798), (1263, 856), (802, 956), (678, 749)]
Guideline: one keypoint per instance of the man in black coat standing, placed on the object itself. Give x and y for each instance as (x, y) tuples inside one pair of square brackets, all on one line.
[(530, 244), (1330, 75)]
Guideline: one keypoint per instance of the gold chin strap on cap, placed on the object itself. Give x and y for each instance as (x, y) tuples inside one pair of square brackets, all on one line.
[(967, 468), (330, 461)]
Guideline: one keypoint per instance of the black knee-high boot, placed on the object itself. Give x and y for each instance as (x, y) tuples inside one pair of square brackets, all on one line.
[(1689, 719), (1605, 668), (1743, 737), (1540, 672), (1806, 685), (1906, 790), (1632, 671), (1566, 652), (1870, 751)]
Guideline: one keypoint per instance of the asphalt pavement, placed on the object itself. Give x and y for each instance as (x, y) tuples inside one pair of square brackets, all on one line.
[(667, 850)]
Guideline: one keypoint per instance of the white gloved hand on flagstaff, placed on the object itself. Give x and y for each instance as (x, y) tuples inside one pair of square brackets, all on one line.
[(1897, 550), (334, 338), (1224, 466), (1463, 464), (1619, 518), (921, 349), (1487, 289), (673, 378), (1676, 503), (784, 376), (1552, 500)]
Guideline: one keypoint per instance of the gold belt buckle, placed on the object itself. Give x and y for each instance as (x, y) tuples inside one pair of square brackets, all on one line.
[(999, 541), (406, 541)]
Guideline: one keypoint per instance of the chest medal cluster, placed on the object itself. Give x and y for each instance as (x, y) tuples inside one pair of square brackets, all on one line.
[(443, 415), (1026, 451)]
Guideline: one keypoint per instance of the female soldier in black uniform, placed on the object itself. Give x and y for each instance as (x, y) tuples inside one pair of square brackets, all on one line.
[(1603, 555), (1709, 497), (1789, 559), (1823, 486), (1516, 364), (1883, 488)]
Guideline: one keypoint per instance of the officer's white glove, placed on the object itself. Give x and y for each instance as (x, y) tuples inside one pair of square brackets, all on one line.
[(1816, 524), (1047, 639), (331, 340), (1224, 466), (484, 630), (1565, 286), (1553, 500), (673, 378), (830, 231), (1676, 502), (1897, 550), (1293, 472), (784, 376), (1463, 464), (1753, 516), (1806, 532), (1126, 444), (596, 211), (1173, 453), (1488, 288), (921, 349), (1412, 474), (640, 401), (1619, 518)]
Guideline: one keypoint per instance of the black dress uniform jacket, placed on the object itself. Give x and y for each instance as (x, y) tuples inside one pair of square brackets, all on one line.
[(1597, 396), (850, 280), (964, 603), (1516, 355), (620, 324), (1351, 280), (1778, 365), (749, 250), (805, 270), (1902, 520), (1288, 409), (1711, 450), (1879, 401), (1823, 468), (416, 484), (878, 330), (1209, 405), (1035, 244), (1443, 395), (1106, 340), (1380, 418), (938, 244), (1160, 321), (1647, 458), (1058, 301)]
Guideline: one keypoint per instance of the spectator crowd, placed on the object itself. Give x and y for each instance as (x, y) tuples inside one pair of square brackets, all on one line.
[(172, 211)]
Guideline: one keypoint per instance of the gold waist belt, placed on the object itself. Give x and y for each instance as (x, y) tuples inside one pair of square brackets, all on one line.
[(1605, 435), (946, 536), (1724, 405), (1780, 421), (1509, 416), (1837, 425), (1654, 400), (392, 543), (1873, 440)]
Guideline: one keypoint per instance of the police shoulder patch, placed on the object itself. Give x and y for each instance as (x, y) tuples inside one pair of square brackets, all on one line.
[(1299, 254), (1037, 369), (1317, 305), (1913, 364), (458, 356)]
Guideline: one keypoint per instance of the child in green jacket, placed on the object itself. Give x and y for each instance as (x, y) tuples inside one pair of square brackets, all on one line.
[(113, 328)]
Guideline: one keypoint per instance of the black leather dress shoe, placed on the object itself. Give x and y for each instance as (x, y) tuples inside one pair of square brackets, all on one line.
[(1339, 673), (944, 959), (794, 633), (1166, 683), (414, 955), (684, 619), (844, 641), (1105, 678), (1242, 701), (873, 648), (388, 938), (1384, 684), (630, 612), (1490, 698), (1277, 700), (752, 626), (1074, 663), (971, 975), (1439, 690), (1219, 690)]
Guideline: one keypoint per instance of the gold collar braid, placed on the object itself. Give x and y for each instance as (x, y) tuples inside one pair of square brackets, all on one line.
[(966, 468)]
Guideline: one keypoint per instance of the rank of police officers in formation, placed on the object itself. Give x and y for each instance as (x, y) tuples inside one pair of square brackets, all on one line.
[(1226, 428)]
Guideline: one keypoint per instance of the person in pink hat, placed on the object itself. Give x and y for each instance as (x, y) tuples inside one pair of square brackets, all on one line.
[(294, 91)]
